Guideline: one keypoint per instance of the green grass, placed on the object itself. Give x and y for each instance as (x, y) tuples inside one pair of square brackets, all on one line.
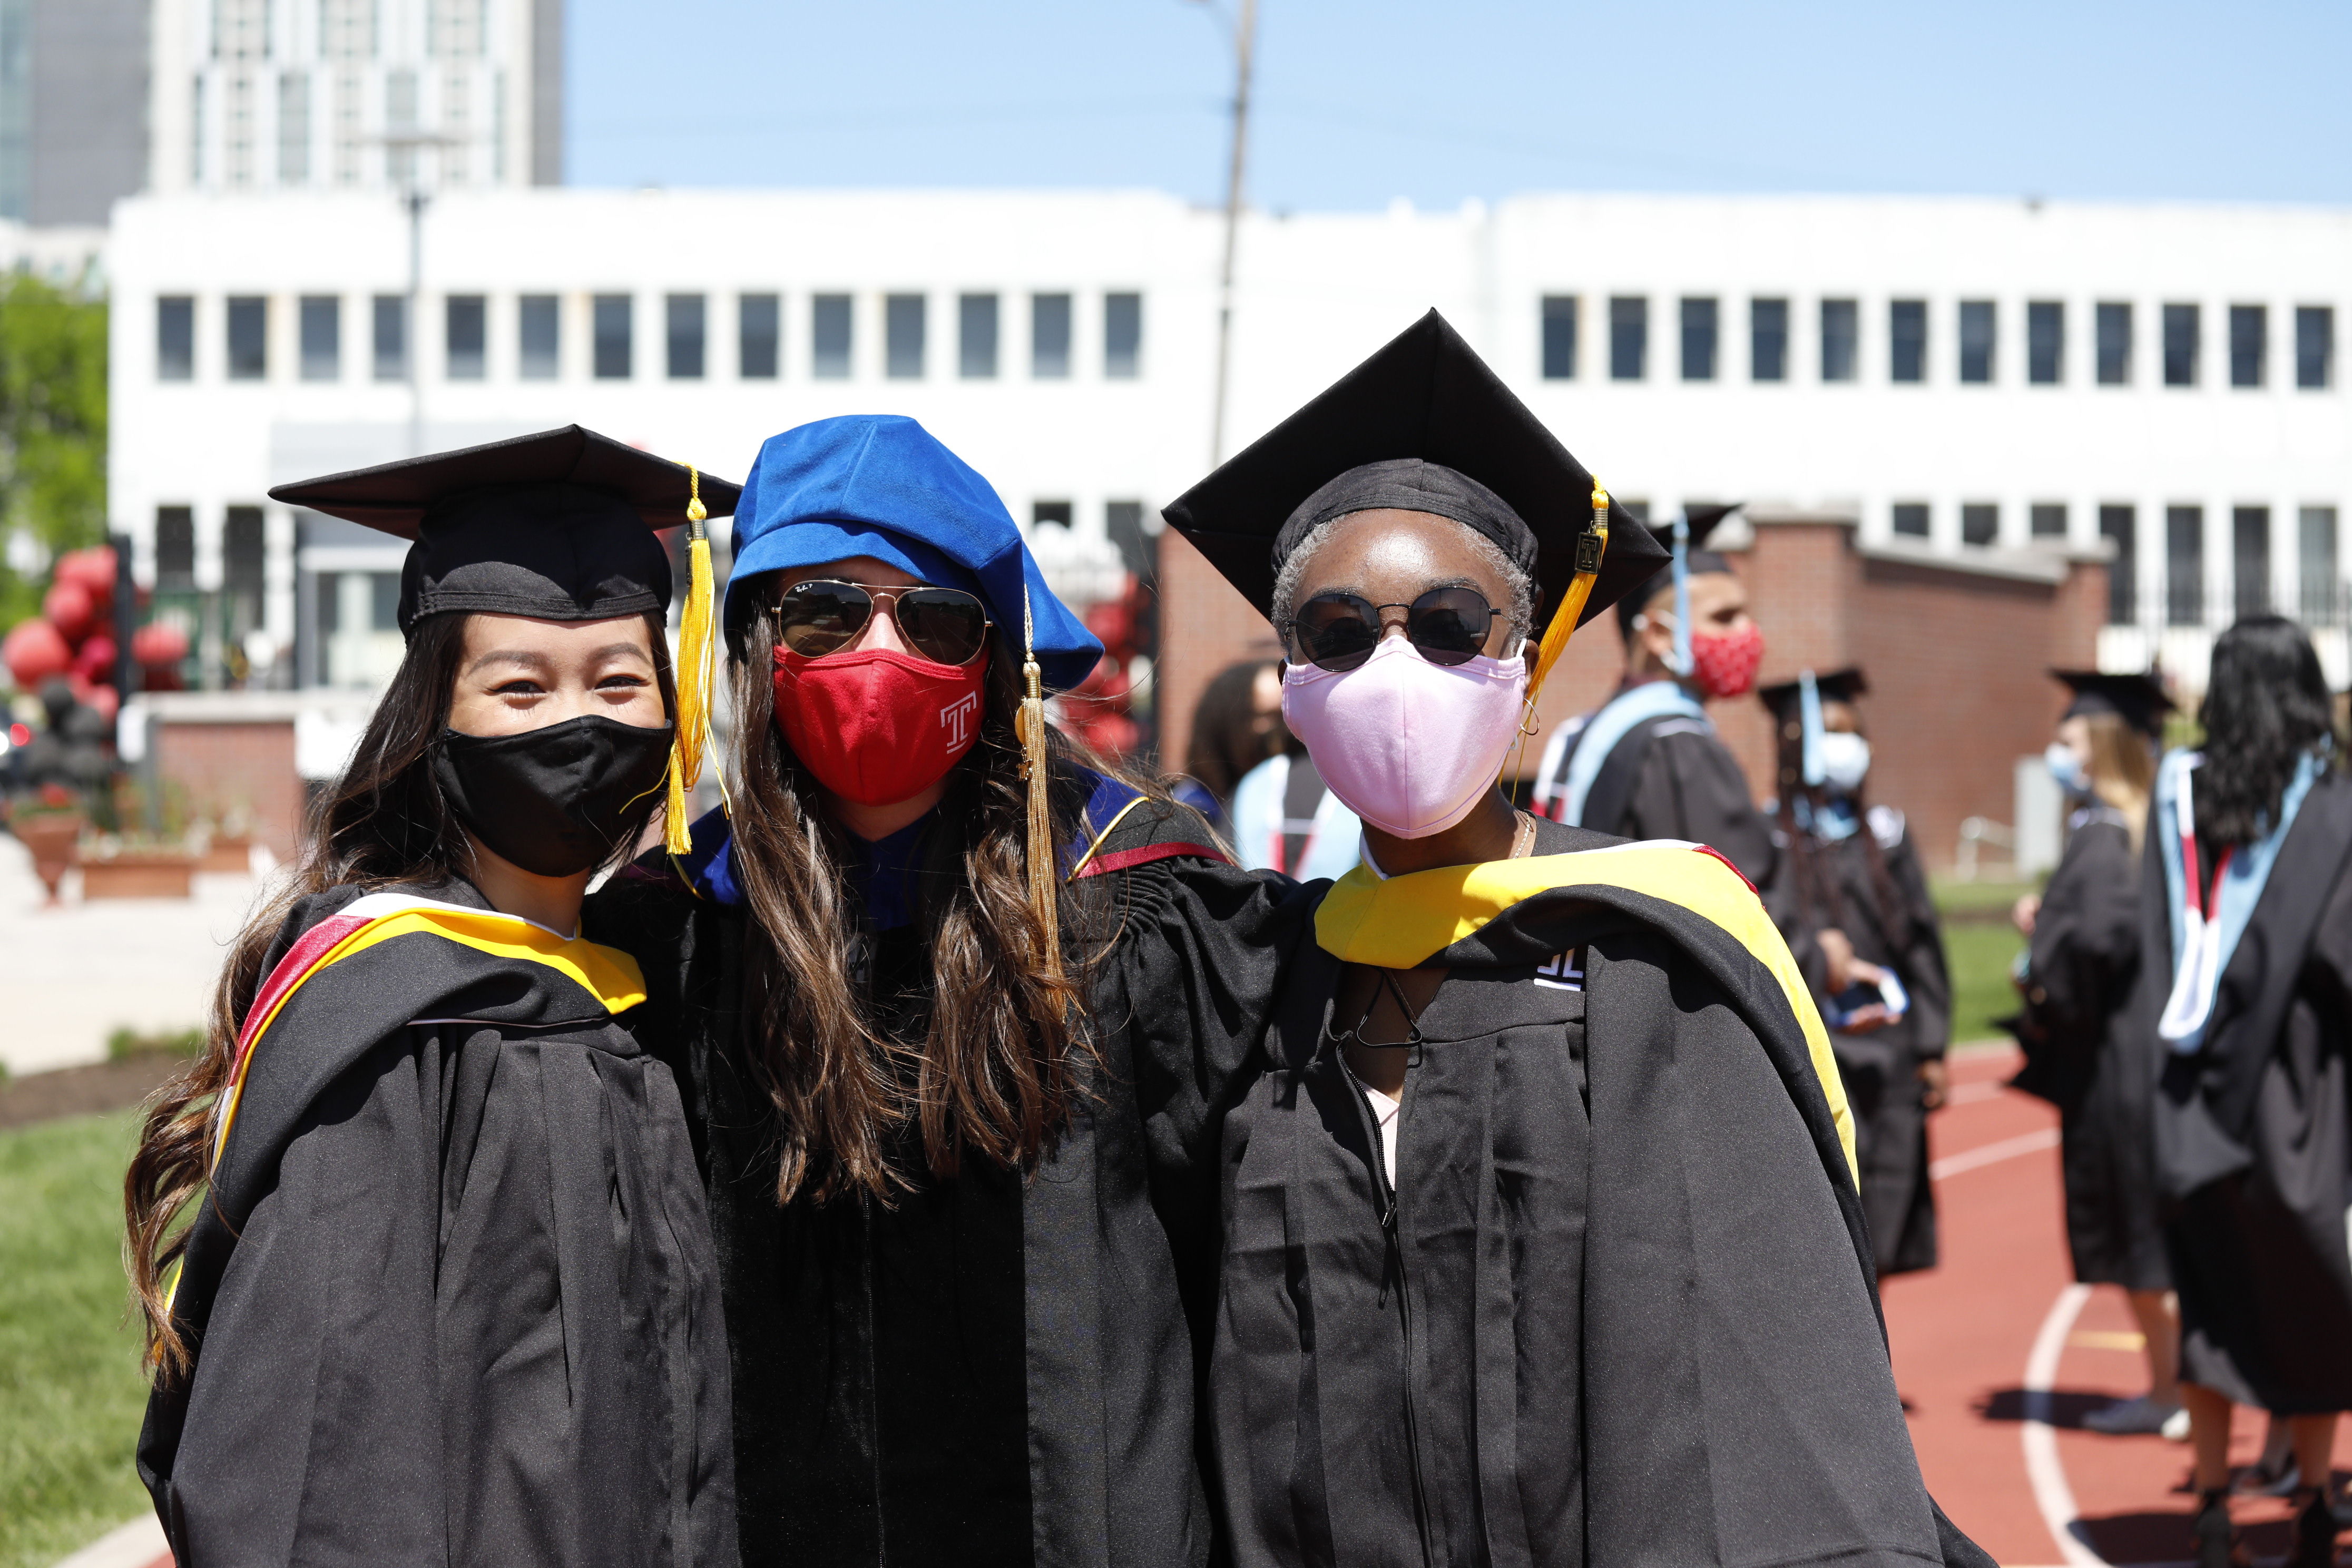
[(70, 1395), (1980, 955)]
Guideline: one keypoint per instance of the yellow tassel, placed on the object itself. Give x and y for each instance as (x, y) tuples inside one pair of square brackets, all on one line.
[(1591, 547), (696, 649), (1030, 725)]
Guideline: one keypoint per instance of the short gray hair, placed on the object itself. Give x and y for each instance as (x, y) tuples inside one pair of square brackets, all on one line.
[(1520, 614)]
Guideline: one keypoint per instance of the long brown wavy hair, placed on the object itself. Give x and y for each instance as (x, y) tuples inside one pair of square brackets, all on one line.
[(384, 823), (1000, 1065)]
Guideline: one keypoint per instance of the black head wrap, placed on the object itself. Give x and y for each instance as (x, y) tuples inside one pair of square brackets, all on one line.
[(1411, 484)]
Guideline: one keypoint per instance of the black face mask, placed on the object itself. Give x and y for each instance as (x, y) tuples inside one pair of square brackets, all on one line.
[(553, 801)]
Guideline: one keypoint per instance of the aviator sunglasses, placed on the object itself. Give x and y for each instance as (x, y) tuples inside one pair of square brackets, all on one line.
[(1340, 631), (946, 626)]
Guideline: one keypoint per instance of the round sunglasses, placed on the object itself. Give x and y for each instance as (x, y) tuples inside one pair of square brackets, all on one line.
[(946, 626), (1340, 631)]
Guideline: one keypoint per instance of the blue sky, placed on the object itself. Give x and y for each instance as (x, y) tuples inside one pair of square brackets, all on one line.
[(1360, 102)]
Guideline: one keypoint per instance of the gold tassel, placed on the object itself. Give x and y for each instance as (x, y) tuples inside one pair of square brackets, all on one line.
[(1591, 545), (696, 647), (1030, 725)]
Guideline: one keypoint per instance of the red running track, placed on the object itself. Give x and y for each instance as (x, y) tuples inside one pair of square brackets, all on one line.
[(1964, 1333)]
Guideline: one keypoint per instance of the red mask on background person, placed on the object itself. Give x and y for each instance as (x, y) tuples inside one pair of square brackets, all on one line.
[(874, 725), (1724, 663)]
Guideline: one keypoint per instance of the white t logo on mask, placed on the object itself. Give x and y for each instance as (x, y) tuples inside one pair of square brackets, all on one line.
[(957, 718)]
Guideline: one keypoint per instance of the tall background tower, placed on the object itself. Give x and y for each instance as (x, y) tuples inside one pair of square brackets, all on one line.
[(73, 108)]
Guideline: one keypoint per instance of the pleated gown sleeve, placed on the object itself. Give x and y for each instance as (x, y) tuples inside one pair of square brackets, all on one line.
[(2082, 960)]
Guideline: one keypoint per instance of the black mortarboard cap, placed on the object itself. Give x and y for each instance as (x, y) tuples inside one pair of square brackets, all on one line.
[(1702, 519), (1834, 685), (1425, 404), (2138, 700), (561, 525)]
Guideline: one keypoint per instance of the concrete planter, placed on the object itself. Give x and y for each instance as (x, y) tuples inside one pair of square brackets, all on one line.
[(140, 874)]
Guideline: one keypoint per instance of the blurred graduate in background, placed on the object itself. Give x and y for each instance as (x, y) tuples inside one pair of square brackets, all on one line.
[(2075, 978), (1236, 725), (1856, 909), (1648, 764)]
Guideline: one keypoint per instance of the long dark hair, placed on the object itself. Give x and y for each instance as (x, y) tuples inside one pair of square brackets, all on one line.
[(1820, 899), (999, 1069), (2266, 707), (384, 823), (1227, 742)]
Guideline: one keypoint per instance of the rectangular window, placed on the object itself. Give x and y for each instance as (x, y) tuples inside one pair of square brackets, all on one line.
[(682, 317), (2181, 345), (1049, 336), (249, 337), (389, 337), (322, 337), (2250, 332), (175, 549), (1906, 339), (1911, 519), (1976, 340), (902, 337), (293, 127), (245, 556), (1060, 514), (466, 330), (2045, 342), (2250, 559), (1629, 337), (538, 337), (1559, 337), (2121, 525), (175, 338), (1841, 339), (612, 333), (1123, 522), (2047, 520), (1980, 524), (2184, 566), (2323, 598), (758, 327), (2115, 345), (829, 337), (976, 337), (2314, 346), (1768, 339), (1122, 336), (1698, 340)]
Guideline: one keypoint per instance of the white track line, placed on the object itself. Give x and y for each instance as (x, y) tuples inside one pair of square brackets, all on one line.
[(1993, 1154), (2052, 1494)]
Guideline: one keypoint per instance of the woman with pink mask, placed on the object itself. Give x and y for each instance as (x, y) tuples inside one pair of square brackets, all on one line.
[(1541, 1241)]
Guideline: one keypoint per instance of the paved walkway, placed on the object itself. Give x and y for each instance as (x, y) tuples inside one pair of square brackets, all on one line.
[(1999, 1354), (75, 973)]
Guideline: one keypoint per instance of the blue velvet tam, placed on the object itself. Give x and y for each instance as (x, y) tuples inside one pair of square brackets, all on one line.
[(881, 485)]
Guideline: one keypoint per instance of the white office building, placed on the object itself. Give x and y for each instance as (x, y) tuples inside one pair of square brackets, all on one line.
[(1986, 376)]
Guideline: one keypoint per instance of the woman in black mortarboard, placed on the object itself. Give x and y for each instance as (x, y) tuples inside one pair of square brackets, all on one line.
[(1856, 910), (1647, 763), (960, 1011), (2244, 1006), (1542, 1243), (2081, 1053), (417, 1239)]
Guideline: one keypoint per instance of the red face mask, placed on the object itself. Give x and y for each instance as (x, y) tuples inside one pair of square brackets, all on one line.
[(1724, 663), (876, 726)]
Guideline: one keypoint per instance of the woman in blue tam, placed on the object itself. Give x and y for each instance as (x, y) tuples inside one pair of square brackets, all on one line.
[(960, 1012)]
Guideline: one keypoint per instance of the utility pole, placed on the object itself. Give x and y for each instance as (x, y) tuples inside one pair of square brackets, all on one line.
[(1244, 40)]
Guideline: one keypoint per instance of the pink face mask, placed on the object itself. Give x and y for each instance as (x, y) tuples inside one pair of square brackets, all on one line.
[(1407, 745)]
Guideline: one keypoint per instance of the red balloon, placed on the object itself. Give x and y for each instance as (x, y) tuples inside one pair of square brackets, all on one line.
[(92, 571), (159, 642), (103, 698), (69, 608), (95, 658), (34, 652)]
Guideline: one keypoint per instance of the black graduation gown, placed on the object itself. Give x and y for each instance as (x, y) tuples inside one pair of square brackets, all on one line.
[(2082, 1056), (2254, 1134), (1620, 1306), (452, 1288), (1880, 1069), (998, 1369), (1673, 778)]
